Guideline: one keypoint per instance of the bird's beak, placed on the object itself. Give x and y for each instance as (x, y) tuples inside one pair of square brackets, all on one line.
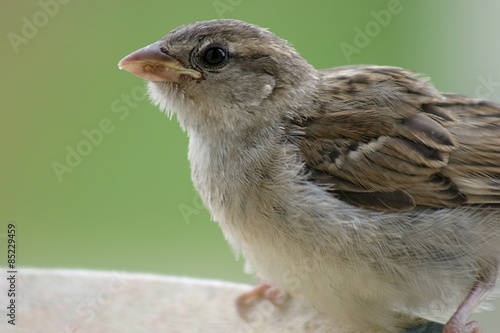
[(152, 64)]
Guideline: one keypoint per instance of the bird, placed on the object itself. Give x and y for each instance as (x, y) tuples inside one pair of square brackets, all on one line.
[(360, 188)]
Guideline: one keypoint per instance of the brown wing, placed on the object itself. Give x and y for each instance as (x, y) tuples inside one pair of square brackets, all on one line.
[(386, 140)]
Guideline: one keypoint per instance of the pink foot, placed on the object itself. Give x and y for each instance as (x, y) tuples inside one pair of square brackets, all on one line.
[(455, 326), (273, 294)]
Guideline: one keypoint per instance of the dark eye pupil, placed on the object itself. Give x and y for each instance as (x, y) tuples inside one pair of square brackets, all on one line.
[(215, 56)]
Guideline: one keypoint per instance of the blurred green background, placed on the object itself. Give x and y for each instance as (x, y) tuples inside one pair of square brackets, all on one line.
[(129, 204)]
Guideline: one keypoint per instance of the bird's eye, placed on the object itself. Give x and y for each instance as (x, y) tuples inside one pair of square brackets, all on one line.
[(215, 56)]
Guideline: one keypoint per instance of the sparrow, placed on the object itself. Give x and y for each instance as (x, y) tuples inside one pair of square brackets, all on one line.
[(361, 189)]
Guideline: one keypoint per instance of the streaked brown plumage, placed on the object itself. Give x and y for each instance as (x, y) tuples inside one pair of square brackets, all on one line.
[(384, 140)]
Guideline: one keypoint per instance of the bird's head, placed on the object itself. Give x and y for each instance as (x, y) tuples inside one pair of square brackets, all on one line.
[(227, 74)]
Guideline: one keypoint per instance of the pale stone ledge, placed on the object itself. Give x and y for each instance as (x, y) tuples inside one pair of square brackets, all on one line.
[(63, 301)]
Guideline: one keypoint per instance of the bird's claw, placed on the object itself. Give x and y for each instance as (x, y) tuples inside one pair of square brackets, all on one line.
[(273, 294)]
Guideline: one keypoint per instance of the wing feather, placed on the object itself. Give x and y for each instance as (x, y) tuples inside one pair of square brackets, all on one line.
[(385, 139)]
